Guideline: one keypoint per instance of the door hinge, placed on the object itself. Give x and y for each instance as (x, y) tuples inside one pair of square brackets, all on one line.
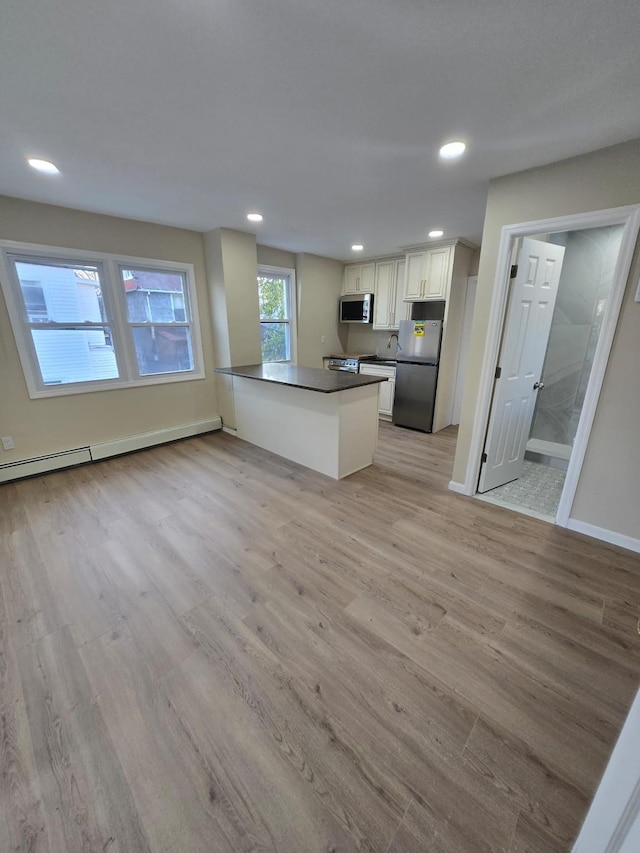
[(484, 457), (498, 372), (514, 271)]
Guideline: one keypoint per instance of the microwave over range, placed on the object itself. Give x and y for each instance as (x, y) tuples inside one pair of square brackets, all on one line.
[(356, 308)]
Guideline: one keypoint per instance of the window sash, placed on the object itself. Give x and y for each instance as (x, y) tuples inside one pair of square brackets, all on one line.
[(115, 310), (289, 318)]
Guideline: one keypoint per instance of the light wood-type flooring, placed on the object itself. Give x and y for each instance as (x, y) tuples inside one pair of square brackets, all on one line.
[(207, 648)]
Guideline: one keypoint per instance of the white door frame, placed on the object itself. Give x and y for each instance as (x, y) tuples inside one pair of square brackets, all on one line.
[(629, 217), (614, 815)]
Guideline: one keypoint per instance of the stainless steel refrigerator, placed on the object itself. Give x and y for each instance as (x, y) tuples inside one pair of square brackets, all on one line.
[(418, 356)]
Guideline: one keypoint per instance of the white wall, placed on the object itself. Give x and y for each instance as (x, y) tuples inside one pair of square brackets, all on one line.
[(608, 494), (53, 424)]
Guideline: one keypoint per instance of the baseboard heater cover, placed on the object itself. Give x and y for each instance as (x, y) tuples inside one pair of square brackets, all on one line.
[(44, 464), (80, 455), (148, 439)]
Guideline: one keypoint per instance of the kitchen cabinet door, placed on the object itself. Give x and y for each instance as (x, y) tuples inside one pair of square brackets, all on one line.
[(401, 309), (387, 389), (384, 302), (437, 273), (385, 400), (350, 279), (367, 279), (414, 276), (359, 278)]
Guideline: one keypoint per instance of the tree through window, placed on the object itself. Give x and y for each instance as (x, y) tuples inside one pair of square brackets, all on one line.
[(276, 300)]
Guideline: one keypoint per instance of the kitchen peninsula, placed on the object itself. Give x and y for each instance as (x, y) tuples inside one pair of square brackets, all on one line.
[(323, 419)]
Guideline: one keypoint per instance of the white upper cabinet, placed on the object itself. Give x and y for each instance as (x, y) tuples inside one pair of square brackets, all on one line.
[(384, 302), (389, 305), (402, 308), (414, 275), (427, 274), (359, 278)]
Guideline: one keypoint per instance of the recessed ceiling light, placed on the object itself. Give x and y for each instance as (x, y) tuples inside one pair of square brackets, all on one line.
[(452, 150), (43, 166), (254, 217), (357, 247), (436, 233)]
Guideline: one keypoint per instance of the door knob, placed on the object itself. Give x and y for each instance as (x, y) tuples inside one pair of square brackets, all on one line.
[(537, 385)]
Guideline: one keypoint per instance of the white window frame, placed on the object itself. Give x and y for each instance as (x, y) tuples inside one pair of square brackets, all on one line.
[(285, 272), (109, 266)]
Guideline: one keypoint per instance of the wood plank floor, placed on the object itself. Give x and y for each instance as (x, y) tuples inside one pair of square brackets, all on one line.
[(206, 648)]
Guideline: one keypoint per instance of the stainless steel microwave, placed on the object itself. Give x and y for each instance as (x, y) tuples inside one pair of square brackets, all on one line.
[(356, 308)]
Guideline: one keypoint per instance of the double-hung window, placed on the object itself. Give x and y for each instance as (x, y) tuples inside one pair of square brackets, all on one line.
[(276, 298), (85, 322)]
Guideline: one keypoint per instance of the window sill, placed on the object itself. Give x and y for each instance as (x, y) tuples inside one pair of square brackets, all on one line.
[(114, 385)]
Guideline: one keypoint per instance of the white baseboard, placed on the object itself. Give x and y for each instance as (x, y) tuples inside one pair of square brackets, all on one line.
[(459, 488), (43, 464), (80, 455), (148, 439), (604, 534), (549, 448), (230, 430)]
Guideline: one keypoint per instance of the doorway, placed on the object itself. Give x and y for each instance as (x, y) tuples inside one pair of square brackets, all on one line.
[(531, 442)]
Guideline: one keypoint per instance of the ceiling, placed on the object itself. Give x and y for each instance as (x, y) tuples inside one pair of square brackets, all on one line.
[(325, 115)]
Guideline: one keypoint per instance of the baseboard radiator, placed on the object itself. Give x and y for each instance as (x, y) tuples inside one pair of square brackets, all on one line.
[(94, 452)]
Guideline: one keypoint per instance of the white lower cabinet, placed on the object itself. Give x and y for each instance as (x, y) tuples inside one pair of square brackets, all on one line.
[(387, 389)]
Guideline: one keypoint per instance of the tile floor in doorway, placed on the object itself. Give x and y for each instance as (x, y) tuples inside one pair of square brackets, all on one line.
[(538, 489)]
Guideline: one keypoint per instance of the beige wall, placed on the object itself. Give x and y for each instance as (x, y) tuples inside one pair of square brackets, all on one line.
[(61, 423), (319, 287), (608, 494), (232, 265), (272, 257)]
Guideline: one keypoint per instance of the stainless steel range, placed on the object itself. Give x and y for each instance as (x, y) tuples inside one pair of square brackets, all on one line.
[(348, 362)]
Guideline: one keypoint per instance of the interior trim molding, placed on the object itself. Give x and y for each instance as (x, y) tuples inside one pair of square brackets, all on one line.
[(148, 439), (459, 488), (628, 216), (230, 430), (613, 820), (610, 536)]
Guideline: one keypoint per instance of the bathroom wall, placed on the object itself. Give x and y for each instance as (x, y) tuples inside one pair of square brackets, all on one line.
[(585, 281)]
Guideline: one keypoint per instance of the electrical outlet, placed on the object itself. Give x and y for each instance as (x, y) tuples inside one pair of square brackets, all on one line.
[(323, 339), (7, 442)]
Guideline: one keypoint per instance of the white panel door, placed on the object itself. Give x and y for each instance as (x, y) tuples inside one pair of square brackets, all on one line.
[(524, 343)]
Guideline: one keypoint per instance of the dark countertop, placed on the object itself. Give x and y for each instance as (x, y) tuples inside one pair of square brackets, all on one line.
[(309, 378), (388, 362)]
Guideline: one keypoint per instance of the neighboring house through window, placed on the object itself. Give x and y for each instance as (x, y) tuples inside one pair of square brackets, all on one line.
[(277, 301), (84, 322)]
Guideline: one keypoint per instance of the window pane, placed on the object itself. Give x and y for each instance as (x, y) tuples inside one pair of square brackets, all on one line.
[(153, 296), (272, 292), (75, 355), (61, 294), (274, 339), (163, 349)]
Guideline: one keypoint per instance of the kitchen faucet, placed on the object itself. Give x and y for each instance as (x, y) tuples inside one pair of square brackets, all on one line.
[(393, 335)]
